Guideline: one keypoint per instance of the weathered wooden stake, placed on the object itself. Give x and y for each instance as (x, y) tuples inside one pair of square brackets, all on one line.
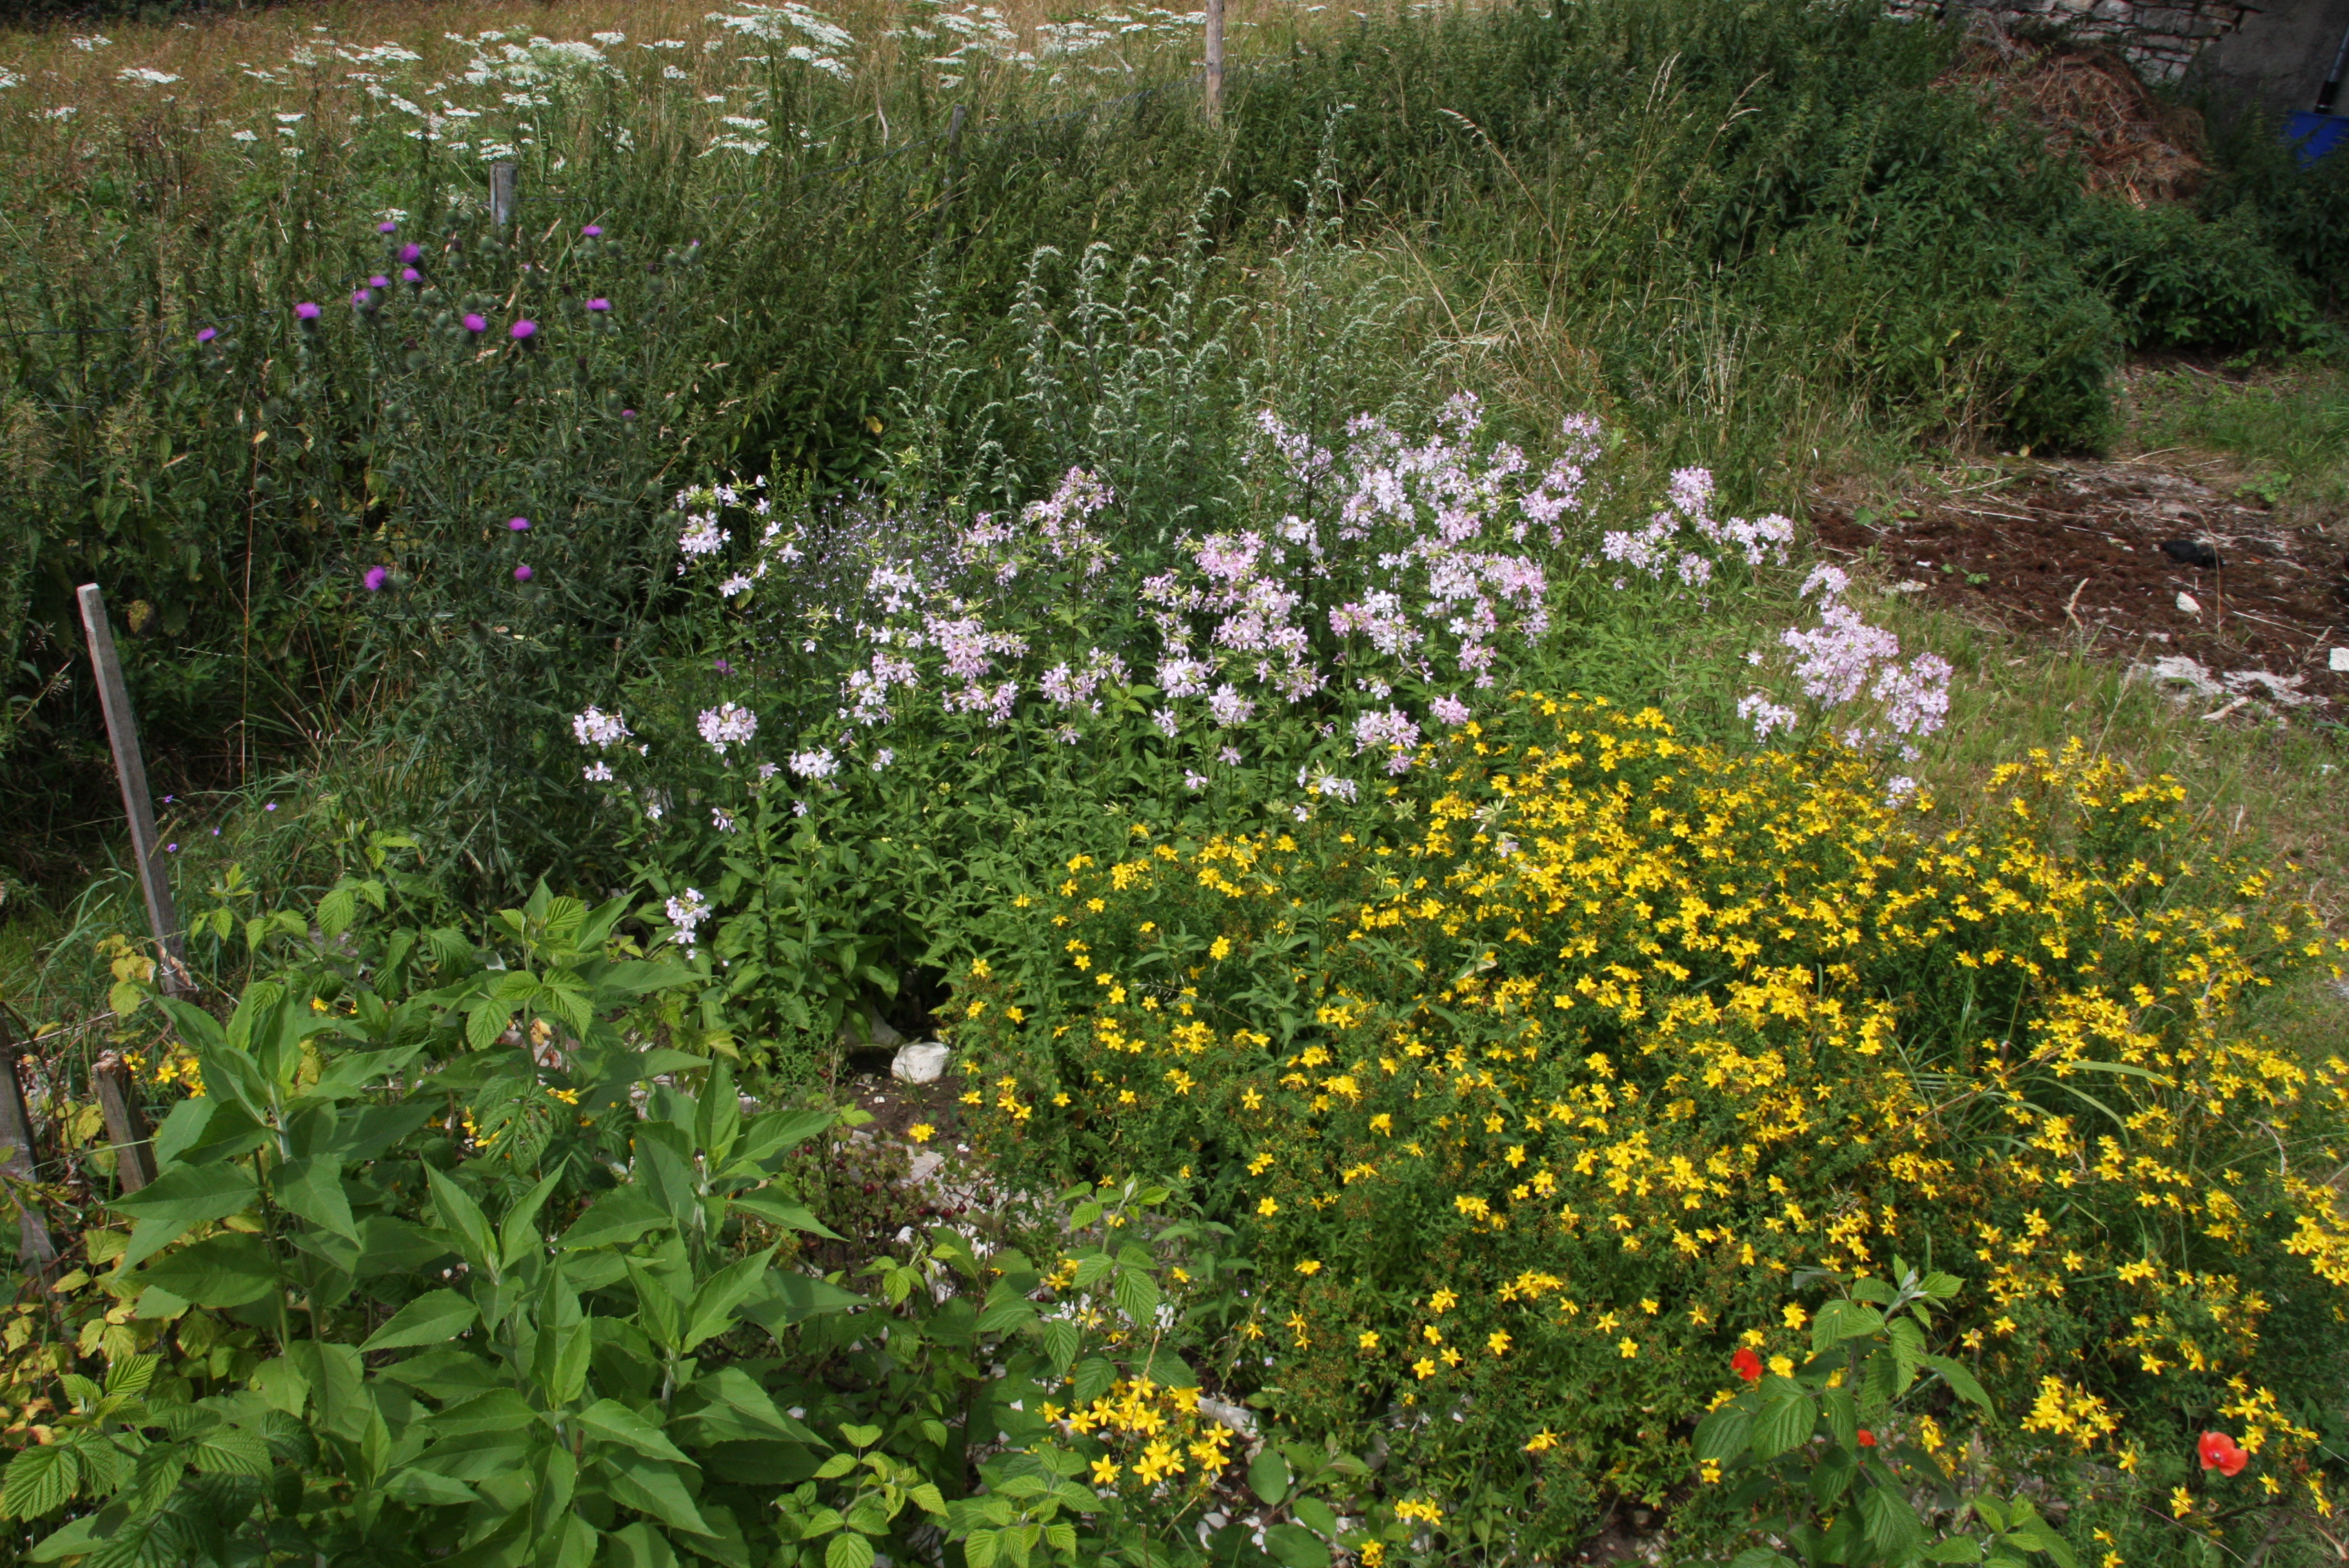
[(1215, 62), (122, 733), (126, 1127), (34, 1251), (502, 192)]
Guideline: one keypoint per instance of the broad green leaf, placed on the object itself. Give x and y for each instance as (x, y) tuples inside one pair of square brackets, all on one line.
[(433, 1318), (754, 1411), (223, 1270), (178, 1201), (1839, 1320), (1138, 1297), (1316, 1515), (1268, 1477), (1785, 1424), (651, 1486), (1724, 1434), (1759, 1557), (779, 1210), (1061, 1339), (1961, 1383), (423, 1487), (229, 1451), (517, 1234), (848, 1550), (1296, 1548), (616, 1423), (639, 1546), (463, 1218), (41, 1479), (313, 1188), (721, 1293), (1889, 1522), (618, 1217), (498, 1411), (1956, 1549)]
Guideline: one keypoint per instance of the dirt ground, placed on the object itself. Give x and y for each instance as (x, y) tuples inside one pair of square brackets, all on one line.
[(2072, 550)]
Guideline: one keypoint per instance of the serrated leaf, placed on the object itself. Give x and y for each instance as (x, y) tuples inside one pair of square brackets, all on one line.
[(219, 1272), (1785, 1424), (1061, 1340), (1138, 1296), (616, 1423), (1724, 1434), (1956, 1549), (1839, 1320), (176, 1202), (848, 1550), (40, 1480)]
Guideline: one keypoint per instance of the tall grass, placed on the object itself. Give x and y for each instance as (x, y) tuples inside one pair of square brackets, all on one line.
[(1760, 237)]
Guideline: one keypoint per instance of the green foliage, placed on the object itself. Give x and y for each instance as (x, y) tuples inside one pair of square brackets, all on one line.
[(2180, 281), (1811, 1452), (509, 1281)]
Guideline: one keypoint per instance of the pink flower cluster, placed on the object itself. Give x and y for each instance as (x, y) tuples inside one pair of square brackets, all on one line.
[(1844, 660), (1663, 549)]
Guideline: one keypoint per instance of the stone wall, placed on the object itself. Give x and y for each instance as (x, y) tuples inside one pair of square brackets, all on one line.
[(2161, 40)]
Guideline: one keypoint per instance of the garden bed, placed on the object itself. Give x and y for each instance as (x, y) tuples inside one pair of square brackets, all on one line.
[(2072, 548)]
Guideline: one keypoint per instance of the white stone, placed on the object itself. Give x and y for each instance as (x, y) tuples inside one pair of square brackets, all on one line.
[(2341, 659), (921, 1062), (2187, 603)]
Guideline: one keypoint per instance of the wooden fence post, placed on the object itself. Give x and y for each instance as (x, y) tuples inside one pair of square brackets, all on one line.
[(34, 1251), (126, 1127), (1215, 62), (504, 177), (122, 733)]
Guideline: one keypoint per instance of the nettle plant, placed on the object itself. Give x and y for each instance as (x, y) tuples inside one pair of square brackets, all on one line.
[(873, 674), (1818, 1450)]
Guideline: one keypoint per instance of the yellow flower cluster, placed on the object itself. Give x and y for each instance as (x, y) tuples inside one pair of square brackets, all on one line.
[(1154, 1435), (1627, 1021)]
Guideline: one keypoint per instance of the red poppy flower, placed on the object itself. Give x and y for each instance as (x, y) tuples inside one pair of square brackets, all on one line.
[(2221, 1454), (1748, 1365), (1867, 1438)]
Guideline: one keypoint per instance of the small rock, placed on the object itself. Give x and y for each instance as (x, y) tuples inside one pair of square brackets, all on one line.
[(926, 1164), (2190, 552), (919, 1063), (867, 1027), (2187, 603), (2340, 660), (1238, 1417)]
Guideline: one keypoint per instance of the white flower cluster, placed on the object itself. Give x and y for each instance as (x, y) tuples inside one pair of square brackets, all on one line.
[(727, 725), (686, 911)]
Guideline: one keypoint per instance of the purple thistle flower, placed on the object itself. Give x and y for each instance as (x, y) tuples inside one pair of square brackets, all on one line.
[(523, 331), (628, 413), (522, 573), (410, 275), (387, 227), (476, 323), (518, 525), (207, 335), (412, 253), (378, 282), (724, 669), (271, 807), (305, 311), (171, 849), (592, 231), (376, 577), (599, 304), (361, 299)]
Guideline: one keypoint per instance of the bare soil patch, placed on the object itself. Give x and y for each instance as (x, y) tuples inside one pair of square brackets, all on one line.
[(2074, 550)]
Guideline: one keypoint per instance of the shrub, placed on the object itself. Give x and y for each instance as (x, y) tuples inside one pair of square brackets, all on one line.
[(2180, 281), (1528, 1111)]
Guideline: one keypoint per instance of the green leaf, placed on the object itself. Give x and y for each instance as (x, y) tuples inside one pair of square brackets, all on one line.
[(1961, 1383), (1956, 1549), (752, 1412), (721, 1293), (1061, 1339), (1839, 1320), (1137, 1296), (1316, 1516), (464, 1218), (40, 1480), (1724, 1434), (1786, 1424), (651, 1486), (229, 1451), (616, 1423), (313, 1188), (1268, 1477), (219, 1272), (1296, 1548), (779, 1210), (423, 1487), (433, 1318), (178, 1201), (1889, 1522), (1759, 1557), (848, 1550), (618, 1217), (639, 1546)]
